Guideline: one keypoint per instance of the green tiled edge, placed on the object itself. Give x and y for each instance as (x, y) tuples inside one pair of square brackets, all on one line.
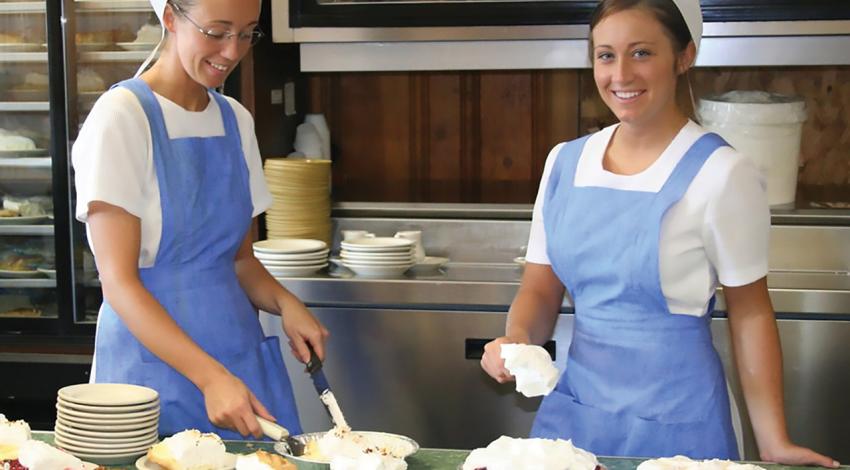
[(426, 459)]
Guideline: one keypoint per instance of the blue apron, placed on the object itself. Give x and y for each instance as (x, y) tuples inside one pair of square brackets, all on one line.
[(640, 381), (206, 213)]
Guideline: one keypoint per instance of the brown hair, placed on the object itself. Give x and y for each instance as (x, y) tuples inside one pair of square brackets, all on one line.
[(665, 11)]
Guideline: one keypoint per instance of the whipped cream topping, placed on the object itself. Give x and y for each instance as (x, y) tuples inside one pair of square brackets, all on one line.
[(368, 462), (338, 419), (196, 450), (533, 368), (42, 456), (507, 453), (352, 450), (14, 433), (680, 462)]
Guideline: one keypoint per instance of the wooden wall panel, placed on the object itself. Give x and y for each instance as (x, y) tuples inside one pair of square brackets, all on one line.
[(443, 136)]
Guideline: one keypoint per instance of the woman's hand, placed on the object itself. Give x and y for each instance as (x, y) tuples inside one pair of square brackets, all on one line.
[(492, 361), (230, 404), (792, 454), (302, 327)]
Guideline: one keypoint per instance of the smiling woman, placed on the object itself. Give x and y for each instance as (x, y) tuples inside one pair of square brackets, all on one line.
[(169, 179)]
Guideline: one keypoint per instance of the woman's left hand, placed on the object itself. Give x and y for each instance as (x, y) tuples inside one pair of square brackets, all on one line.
[(791, 454), (302, 327)]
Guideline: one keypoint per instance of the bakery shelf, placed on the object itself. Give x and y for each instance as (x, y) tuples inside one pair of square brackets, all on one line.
[(114, 56), (115, 5), (21, 7), (17, 106), (27, 162), (23, 56), (24, 283), (45, 230)]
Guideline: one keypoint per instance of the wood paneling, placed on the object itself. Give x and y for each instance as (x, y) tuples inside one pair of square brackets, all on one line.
[(444, 136)]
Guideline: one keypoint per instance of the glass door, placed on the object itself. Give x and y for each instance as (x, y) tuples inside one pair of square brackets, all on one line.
[(105, 42), (29, 300)]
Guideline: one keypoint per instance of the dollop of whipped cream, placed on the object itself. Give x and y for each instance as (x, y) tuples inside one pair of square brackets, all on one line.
[(42, 456), (196, 450), (149, 34), (680, 462), (14, 432), (347, 450), (533, 368), (262, 460), (507, 453)]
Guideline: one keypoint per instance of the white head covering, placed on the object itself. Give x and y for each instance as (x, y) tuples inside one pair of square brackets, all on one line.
[(693, 17), (159, 9)]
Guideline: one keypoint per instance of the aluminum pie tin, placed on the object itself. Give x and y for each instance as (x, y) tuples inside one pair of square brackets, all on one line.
[(404, 444)]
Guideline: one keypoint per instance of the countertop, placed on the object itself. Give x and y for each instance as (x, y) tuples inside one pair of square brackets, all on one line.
[(426, 459)]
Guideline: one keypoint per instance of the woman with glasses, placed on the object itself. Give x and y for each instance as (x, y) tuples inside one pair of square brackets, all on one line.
[(169, 179)]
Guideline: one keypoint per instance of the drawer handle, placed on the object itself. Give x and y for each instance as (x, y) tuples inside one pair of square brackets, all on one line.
[(474, 347)]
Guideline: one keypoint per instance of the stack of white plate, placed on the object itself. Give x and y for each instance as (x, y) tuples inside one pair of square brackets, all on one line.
[(378, 256), (301, 198), (109, 424), (292, 257)]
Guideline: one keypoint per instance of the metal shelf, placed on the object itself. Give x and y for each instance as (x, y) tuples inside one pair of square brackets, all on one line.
[(26, 230), (26, 162), (25, 283), (17, 106), (21, 7), (23, 57), (112, 6), (114, 56)]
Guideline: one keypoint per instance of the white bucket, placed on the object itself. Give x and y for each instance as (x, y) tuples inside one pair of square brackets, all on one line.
[(765, 127)]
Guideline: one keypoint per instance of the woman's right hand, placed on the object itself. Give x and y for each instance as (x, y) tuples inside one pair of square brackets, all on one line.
[(492, 361), (230, 404)]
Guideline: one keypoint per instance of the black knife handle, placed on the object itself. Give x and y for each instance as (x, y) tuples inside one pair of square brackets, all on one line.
[(314, 363)]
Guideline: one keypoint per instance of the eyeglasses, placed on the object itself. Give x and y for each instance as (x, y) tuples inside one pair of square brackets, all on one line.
[(219, 33)]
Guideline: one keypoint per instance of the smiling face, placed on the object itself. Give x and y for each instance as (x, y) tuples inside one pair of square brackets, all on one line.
[(636, 68), (209, 60)]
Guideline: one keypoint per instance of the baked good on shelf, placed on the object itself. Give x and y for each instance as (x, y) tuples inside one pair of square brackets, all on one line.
[(189, 450), (34, 81), (94, 37), (11, 141), (89, 81), (149, 33), (21, 312), (14, 38), (262, 460)]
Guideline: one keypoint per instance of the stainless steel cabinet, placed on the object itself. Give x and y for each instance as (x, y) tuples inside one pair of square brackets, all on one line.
[(406, 371)]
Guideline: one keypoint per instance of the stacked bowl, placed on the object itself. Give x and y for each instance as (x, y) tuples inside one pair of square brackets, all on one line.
[(292, 257), (301, 198), (378, 256), (108, 424)]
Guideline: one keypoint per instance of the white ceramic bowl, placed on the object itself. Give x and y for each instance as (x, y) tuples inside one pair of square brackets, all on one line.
[(369, 270), (294, 271)]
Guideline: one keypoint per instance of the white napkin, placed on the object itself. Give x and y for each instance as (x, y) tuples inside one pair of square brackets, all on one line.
[(534, 370)]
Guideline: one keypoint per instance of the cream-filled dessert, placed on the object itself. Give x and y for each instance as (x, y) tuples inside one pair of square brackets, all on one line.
[(346, 449), (680, 462), (37, 455), (191, 450), (13, 434), (261, 460), (507, 453), (149, 33)]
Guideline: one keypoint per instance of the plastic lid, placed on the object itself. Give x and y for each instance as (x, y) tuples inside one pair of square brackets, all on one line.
[(752, 107)]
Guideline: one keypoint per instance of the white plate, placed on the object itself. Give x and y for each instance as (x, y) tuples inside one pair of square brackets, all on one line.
[(289, 246), (94, 441), (291, 257), (105, 394), (103, 434), (18, 274), (23, 220), (108, 409), (110, 459), (378, 271), (64, 410), (51, 273), (377, 244), (143, 464), (117, 426), (136, 46), (72, 445), (295, 264), (295, 271), (23, 153), (19, 46)]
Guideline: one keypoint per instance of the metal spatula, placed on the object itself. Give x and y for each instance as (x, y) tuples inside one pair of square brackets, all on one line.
[(280, 434)]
